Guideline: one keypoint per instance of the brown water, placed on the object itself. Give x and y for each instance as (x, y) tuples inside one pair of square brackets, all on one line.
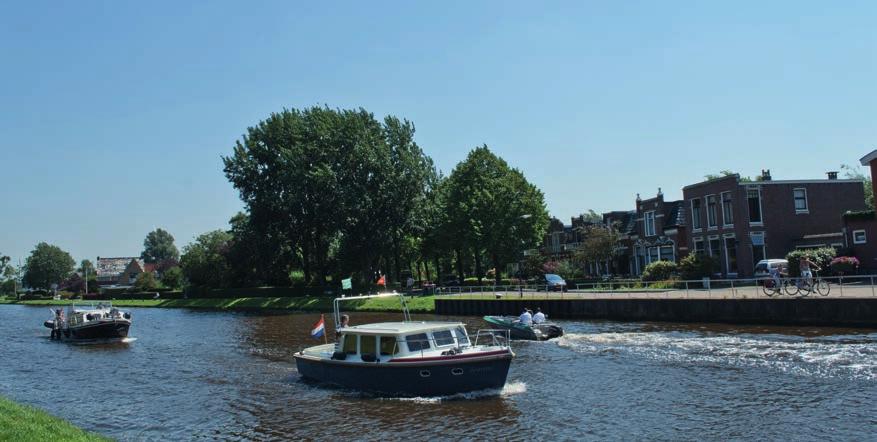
[(218, 375)]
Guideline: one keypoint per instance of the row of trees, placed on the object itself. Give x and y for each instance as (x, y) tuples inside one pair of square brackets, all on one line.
[(338, 193)]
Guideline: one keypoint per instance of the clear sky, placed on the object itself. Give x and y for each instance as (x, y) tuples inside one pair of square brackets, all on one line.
[(115, 114)]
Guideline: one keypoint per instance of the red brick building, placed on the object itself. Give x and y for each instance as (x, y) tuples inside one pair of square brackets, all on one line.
[(741, 222), (860, 228), (659, 233)]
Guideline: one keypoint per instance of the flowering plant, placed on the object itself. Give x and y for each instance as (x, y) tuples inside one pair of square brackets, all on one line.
[(844, 264)]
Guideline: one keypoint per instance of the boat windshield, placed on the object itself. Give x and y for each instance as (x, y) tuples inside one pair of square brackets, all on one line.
[(462, 338), (442, 338), (417, 342)]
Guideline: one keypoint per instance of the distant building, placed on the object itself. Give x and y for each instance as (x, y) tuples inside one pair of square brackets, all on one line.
[(742, 222), (121, 271)]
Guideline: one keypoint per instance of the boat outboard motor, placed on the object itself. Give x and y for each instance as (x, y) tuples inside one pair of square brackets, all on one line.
[(126, 315)]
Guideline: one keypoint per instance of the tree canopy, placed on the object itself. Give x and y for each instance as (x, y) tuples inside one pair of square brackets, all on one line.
[(47, 265), (159, 246), (204, 261)]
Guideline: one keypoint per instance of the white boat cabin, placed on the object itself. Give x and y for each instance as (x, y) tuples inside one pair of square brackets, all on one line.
[(381, 342)]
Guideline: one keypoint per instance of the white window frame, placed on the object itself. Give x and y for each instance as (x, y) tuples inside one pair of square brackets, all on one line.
[(725, 222), (864, 239), (646, 225), (709, 246), (760, 206), (715, 221), (696, 227), (806, 208), (702, 245)]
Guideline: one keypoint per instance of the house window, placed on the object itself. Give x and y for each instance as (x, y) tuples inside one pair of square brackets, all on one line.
[(653, 254), (859, 237), (711, 213), (650, 223), (698, 246), (800, 196), (757, 239), (727, 209), (731, 254), (715, 247), (696, 221), (754, 198), (667, 253)]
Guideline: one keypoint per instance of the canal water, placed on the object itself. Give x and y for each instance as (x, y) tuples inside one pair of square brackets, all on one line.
[(226, 375)]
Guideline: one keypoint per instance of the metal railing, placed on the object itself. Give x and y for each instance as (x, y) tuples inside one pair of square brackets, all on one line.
[(849, 286)]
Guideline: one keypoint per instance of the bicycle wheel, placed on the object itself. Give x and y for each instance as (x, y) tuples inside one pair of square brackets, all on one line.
[(804, 289), (790, 287), (822, 287), (769, 288)]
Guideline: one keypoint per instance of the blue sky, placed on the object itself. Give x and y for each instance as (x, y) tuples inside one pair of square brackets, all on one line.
[(115, 114)]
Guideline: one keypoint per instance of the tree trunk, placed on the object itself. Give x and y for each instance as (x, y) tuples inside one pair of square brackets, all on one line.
[(478, 270), (460, 274), (496, 269)]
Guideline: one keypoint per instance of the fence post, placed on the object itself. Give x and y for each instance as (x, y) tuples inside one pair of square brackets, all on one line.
[(686, 290), (872, 286), (841, 284)]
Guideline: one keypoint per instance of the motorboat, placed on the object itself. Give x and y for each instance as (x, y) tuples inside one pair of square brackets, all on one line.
[(532, 332), (100, 321), (408, 358)]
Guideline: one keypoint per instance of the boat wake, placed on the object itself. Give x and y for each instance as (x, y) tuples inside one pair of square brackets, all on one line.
[(846, 356), (508, 390), (103, 341)]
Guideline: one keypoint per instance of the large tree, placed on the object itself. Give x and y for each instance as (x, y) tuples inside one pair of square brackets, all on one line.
[(158, 246), (338, 188), (494, 209), (204, 261), (47, 265), (599, 243)]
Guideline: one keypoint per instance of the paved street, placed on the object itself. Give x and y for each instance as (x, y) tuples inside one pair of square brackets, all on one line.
[(837, 291)]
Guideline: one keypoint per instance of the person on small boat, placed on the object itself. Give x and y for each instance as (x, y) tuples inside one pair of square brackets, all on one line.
[(539, 317), (526, 317), (345, 322)]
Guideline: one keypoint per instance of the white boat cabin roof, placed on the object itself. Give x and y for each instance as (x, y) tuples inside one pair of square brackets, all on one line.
[(400, 328)]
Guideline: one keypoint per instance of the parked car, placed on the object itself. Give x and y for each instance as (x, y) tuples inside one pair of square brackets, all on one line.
[(762, 269), (554, 283)]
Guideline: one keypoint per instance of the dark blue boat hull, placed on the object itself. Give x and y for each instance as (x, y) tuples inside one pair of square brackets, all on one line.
[(438, 378)]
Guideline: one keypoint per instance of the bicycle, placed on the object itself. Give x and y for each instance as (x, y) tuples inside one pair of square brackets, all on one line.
[(770, 287), (817, 284)]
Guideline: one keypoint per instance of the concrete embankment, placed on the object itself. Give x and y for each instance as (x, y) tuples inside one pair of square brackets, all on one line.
[(840, 312)]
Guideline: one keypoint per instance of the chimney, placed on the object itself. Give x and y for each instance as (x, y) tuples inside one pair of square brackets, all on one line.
[(832, 175), (660, 194), (765, 174)]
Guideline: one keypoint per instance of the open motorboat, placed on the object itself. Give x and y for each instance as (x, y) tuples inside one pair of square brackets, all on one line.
[(518, 330), (409, 358), (101, 321)]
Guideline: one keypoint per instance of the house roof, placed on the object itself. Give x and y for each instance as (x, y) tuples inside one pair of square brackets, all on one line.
[(112, 267), (674, 214), (866, 160)]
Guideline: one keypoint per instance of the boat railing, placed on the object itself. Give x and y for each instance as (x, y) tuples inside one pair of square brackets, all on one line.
[(406, 315), (498, 337)]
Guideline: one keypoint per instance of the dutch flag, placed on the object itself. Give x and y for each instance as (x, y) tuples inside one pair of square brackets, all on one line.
[(319, 328)]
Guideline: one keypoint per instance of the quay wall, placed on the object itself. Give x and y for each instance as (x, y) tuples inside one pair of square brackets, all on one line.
[(838, 312)]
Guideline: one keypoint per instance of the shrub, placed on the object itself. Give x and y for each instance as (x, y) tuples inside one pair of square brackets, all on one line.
[(822, 257), (145, 281), (696, 266), (550, 267), (172, 278), (659, 271), (844, 265)]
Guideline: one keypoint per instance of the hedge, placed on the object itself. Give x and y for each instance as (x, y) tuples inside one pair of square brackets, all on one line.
[(822, 257)]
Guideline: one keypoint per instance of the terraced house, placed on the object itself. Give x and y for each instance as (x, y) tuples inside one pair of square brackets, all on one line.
[(741, 222)]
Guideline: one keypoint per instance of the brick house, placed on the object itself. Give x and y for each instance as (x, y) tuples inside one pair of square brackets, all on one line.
[(659, 233), (860, 228), (741, 222)]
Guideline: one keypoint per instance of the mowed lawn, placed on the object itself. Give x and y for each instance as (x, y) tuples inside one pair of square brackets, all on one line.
[(25, 423), (416, 304)]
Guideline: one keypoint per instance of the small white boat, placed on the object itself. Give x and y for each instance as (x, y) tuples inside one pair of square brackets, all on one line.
[(409, 358)]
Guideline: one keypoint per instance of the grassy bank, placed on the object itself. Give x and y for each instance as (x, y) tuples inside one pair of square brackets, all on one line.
[(420, 304), (26, 423)]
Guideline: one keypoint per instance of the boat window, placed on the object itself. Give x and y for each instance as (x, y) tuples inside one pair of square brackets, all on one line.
[(388, 345), (350, 344), (417, 342), (442, 338), (367, 345), (462, 338)]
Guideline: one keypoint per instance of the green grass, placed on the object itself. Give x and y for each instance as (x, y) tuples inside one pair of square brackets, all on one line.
[(26, 423), (420, 304)]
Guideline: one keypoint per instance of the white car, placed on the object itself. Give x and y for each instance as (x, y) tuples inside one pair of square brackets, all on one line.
[(762, 269)]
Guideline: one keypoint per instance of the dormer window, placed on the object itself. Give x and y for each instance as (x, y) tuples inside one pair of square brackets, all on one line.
[(649, 221)]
